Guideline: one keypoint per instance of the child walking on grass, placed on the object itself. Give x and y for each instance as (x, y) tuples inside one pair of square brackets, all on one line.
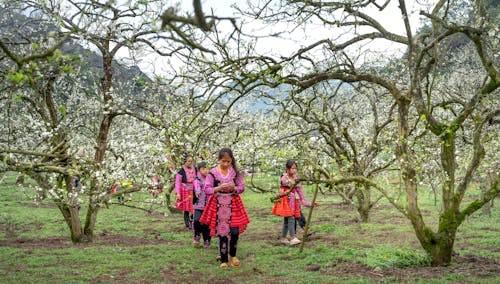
[(289, 205), (184, 190), (225, 213), (200, 200)]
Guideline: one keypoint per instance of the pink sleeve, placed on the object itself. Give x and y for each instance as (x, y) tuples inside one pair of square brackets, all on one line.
[(285, 181), (196, 185), (240, 184), (209, 185), (178, 183), (302, 197)]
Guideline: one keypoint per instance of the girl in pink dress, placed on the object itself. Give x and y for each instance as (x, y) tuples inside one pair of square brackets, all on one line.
[(184, 190), (200, 200), (225, 213)]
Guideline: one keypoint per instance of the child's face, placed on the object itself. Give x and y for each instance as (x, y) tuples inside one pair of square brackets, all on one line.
[(189, 162), (203, 172), (225, 162), (293, 170)]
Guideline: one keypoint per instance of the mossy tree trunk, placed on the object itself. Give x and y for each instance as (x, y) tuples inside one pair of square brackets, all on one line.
[(104, 129), (364, 205)]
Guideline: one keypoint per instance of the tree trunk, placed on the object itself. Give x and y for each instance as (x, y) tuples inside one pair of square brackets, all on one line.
[(485, 186), (72, 218), (90, 222), (363, 197), (76, 227), (346, 193), (442, 251), (486, 210), (169, 186), (440, 245), (426, 237), (102, 140)]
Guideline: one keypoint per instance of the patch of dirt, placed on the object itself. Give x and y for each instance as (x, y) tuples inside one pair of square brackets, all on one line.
[(65, 242), (342, 206), (391, 219), (155, 234), (122, 276), (348, 222), (477, 246), (169, 275), (470, 265), (383, 206), (12, 230)]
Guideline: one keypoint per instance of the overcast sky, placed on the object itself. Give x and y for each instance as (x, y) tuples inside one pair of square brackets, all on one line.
[(390, 19)]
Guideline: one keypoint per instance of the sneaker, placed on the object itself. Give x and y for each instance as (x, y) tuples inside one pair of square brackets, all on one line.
[(284, 241), (206, 244), (223, 265), (196, 240), (294, 241), (234, 261)]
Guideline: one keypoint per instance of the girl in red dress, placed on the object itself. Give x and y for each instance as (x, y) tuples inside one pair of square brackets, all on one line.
[(184, 190), (225, 213)]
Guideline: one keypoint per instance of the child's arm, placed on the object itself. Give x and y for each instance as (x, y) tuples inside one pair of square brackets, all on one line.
[(240, 184), (197, 187), (209, 185), (302, 197), (178, 184)]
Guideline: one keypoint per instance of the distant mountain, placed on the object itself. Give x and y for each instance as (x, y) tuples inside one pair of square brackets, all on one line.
[(16, 28)]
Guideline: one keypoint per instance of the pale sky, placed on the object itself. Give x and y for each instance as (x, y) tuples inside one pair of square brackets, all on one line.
[(390, 19)]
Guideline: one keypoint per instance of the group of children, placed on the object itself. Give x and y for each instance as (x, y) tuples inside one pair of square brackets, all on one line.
[(212, 204), (214, 198)]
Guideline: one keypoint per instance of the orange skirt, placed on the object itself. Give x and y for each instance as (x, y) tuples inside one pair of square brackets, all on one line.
[(283, 207)]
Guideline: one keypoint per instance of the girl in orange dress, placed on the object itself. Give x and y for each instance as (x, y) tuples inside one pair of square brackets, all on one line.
[(289, 205)]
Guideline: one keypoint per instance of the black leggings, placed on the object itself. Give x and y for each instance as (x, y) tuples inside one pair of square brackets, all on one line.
[(200, 228), (188, 219), (224, 244)]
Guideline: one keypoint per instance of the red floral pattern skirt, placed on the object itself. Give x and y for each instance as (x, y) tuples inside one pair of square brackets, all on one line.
[(220, 215)]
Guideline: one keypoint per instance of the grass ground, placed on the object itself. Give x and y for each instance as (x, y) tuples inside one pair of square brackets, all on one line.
[(134, 247)]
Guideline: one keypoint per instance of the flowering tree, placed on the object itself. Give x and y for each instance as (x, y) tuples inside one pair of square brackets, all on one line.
[(417, 84), (352, 124), (70, 113)]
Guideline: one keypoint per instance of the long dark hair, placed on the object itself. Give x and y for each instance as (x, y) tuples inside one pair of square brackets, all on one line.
[(227, 151)]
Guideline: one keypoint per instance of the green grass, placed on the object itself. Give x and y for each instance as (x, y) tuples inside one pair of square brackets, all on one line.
[(341, 250)]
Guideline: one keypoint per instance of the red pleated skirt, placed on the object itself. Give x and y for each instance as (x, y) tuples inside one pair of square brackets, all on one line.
[(185, 201), (239, 217)]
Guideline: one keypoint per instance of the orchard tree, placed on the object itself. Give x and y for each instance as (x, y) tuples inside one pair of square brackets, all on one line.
[(77, 113), (34, 139), (415, 80), (352, 123)]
